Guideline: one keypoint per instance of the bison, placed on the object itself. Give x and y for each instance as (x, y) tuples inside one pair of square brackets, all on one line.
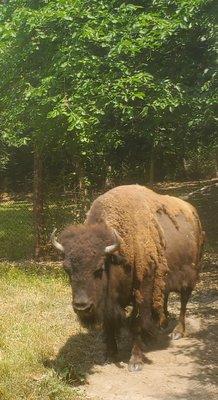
[(135, 247)]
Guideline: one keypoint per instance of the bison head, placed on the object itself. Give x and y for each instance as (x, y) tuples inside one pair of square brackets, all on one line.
[(87, 250)]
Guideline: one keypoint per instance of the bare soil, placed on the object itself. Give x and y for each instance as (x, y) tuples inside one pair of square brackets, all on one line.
[(176, 370)]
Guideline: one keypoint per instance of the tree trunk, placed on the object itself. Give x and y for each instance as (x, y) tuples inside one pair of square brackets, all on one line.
[(81, 177), (216, 162), (108, 180), (185, 167), (38, 208), (151, 170)]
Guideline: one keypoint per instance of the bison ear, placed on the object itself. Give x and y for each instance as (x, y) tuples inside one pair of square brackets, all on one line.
[(118, 259), (116, 245)]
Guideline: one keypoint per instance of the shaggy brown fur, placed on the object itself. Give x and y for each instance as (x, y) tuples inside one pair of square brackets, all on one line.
[(160, 252), (140, 215)]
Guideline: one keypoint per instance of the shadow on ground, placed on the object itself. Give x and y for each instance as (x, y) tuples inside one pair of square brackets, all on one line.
[(78, 356), (86, 350)]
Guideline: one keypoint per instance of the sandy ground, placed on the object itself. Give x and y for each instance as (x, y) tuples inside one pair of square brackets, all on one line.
[(177, 370), (184, 370)]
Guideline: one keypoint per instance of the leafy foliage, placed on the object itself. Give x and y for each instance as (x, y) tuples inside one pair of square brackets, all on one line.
[(108, 80)]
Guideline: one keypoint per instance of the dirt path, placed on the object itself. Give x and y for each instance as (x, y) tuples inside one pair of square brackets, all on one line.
[(178, 370), (182, 371)]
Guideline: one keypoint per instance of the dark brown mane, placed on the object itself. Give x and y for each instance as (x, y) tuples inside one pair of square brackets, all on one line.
[(93, 238)]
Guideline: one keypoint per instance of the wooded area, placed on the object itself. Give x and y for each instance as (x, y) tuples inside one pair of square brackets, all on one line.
[(95, 94)]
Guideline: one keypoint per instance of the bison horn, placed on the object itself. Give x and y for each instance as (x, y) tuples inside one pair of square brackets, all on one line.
[(114, 247), (55, 242)]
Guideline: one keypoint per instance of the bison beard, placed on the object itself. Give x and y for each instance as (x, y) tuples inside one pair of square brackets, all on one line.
[(135, 248), (89, 320)]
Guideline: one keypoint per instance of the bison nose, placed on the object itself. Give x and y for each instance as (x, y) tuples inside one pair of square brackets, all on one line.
[(81, 301), (82, 306)]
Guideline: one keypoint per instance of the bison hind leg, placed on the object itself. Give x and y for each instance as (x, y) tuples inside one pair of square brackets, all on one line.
[(164, 321), (179, 330)]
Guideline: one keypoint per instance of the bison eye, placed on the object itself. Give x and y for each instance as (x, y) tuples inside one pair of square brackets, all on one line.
[(98, 272)]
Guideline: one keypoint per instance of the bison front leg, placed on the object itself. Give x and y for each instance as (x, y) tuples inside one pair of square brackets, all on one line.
[(141, 324), (137, 358), (110, 340)]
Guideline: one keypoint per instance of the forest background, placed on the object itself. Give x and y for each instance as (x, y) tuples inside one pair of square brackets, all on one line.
[(94, 94)]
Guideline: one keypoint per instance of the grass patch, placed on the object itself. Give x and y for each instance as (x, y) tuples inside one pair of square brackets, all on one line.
[(16, 230), (17, 224), (36, 321)]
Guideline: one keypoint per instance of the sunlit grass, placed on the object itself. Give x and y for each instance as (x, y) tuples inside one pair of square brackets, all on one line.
[(36, 320), (17, 235), (16, 230)]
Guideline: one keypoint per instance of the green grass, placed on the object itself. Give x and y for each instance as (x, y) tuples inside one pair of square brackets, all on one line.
[(36, 320), (17, 224), (16, 230)]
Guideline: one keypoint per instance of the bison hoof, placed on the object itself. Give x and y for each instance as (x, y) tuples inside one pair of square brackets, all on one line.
[(176, 335), (135, 364), (135, 367), (110, 359)]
